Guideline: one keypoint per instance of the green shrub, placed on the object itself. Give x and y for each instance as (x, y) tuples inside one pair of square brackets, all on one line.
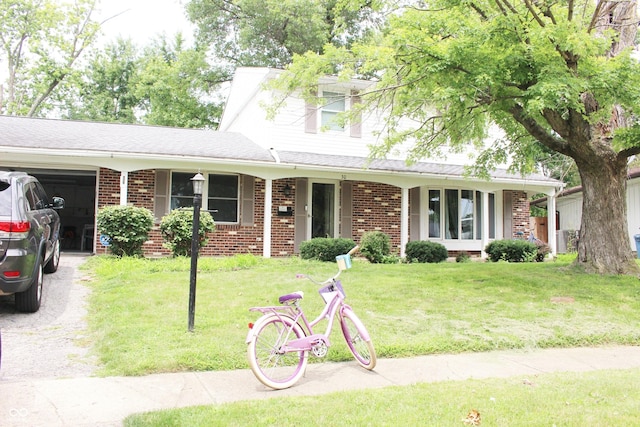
[(126, 227), (325, 248), (463, 257), (177, 228), (512, 250), (425, 251), (376, 247)]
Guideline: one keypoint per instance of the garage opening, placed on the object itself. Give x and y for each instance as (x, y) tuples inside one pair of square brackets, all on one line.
[(78, 189)]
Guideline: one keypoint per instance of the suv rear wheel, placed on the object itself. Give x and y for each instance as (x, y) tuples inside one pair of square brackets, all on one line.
[(29, 300), (52, 265)]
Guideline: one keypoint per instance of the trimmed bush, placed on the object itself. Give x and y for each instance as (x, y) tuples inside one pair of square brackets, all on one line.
[(463, 257), (375, 246), (425, 251), (512, 250), (127, 228), (325, 248), (177, 228)]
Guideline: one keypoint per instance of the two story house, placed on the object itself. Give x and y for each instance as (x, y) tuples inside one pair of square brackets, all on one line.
[(270, 184)]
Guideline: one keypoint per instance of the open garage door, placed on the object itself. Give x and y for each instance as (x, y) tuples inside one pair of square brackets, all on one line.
[(78, 189)]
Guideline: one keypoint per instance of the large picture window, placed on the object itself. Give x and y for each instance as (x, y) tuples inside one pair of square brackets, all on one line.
[(460, 214), (220, 198)]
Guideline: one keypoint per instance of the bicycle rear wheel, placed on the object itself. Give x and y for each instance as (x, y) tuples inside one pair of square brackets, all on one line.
[(270, 364), (358, 339)]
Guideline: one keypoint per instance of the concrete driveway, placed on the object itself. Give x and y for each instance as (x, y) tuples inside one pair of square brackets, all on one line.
[(48, 343)]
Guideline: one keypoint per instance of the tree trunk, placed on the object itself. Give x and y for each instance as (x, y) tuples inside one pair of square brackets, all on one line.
[(603, 245)]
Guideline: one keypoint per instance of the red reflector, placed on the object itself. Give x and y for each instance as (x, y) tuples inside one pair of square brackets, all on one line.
[(11, 274), (250, 325), (15, 227)]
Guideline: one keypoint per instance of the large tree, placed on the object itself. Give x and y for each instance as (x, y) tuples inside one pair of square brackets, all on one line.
[(40, 43), (178, 87), (270, 32), (105, 90), (556, 73)]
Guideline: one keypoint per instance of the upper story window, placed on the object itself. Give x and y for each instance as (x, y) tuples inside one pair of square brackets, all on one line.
[(220, 196), (333, 104)]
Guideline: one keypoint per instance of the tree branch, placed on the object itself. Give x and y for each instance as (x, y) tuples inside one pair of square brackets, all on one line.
[(538, 132)]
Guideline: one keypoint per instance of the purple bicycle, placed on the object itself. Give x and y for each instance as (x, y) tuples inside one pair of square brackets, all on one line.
[(279, 342)]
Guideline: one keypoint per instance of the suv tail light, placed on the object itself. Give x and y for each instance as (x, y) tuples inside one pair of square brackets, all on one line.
[(14, 227)]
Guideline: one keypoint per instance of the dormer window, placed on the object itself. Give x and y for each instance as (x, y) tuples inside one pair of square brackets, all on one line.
[(333, 105)]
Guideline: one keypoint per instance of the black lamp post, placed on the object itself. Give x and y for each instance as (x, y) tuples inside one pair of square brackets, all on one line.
[(198, 183)]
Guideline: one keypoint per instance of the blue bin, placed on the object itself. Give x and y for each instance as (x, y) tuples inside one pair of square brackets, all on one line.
[(637, 239)]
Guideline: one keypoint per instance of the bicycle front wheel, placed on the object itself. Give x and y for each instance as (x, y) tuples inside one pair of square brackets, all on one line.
[(358, 339), (273, 366)]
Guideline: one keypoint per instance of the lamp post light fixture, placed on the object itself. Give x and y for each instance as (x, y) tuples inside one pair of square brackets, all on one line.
[(198, 184)]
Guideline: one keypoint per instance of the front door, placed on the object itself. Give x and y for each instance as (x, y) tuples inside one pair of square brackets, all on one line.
[(323, 210)]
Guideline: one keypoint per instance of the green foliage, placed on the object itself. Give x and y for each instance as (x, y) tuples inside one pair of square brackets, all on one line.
[(426, 251), (268, 33), (177, 86), (376, 247), (463, 257), (42, 41), (127, 228), (177, 230), (512, 250), (106, 93), (325, 248)]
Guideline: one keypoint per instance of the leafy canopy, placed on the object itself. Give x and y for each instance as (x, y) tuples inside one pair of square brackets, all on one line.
[(448, 72)]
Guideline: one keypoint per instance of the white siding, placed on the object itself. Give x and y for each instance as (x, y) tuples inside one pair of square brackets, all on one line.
[(570, 211), (633, 210), (245, 112)]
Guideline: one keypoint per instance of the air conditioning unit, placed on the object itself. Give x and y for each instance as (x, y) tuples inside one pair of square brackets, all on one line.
[(562, 239)]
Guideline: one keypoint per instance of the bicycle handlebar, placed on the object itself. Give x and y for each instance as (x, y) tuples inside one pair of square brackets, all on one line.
[(330, 279)]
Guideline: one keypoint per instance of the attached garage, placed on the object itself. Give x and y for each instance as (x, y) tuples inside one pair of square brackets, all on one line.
[(78, 189)]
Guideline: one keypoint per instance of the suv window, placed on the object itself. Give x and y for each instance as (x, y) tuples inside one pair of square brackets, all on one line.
[(5, 198)]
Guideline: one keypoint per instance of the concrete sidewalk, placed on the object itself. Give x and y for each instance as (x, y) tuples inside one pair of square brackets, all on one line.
[(107, 401)]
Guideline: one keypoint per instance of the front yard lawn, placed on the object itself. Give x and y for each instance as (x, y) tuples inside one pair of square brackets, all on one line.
[(138, 309)]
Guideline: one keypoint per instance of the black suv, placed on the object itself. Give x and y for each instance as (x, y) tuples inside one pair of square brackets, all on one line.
[(29, 238)]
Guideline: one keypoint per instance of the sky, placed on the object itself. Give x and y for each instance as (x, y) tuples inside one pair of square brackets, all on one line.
[(142, 20)]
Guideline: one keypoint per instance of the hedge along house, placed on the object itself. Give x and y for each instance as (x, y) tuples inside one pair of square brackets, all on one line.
[(270, 185)]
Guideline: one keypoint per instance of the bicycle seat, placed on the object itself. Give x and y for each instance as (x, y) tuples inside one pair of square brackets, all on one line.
[(291, 297)]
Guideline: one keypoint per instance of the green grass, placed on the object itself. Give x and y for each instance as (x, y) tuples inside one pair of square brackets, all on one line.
[(603, 398), (139, 308)]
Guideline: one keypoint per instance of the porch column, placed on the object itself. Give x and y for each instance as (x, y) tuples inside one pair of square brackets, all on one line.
[(404, 221), (485, 224), (124, 184), (551, 223), (266, 234)]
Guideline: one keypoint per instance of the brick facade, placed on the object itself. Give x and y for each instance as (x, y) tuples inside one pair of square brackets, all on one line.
[(376, 207), (520, 213)]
